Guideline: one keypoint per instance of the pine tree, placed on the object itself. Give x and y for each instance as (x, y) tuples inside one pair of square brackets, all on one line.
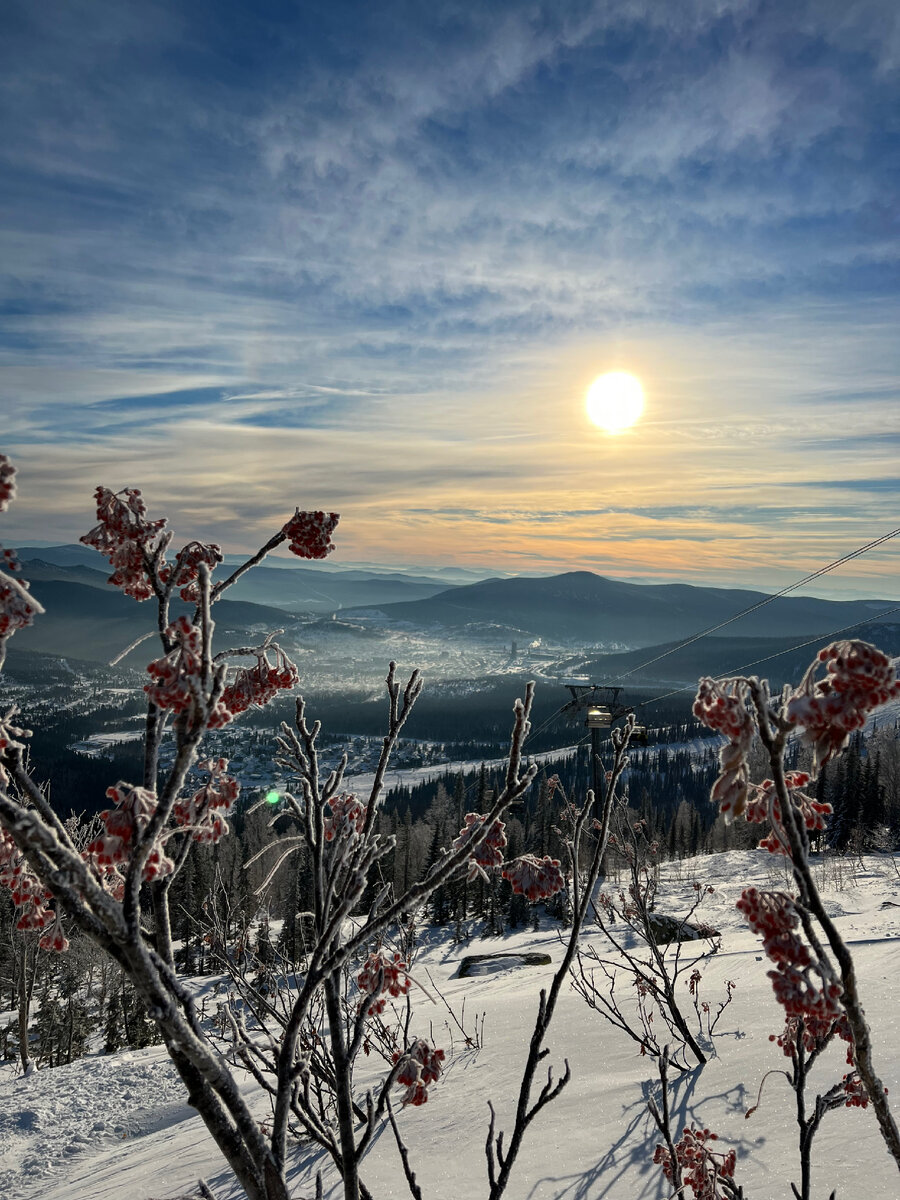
[(872, 797), (846, 800), (439, 904), (290, 941), (138, 1028)]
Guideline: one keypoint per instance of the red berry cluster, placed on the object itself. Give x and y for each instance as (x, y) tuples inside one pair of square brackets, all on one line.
[(109, 852), (177, 675), (535, 878), (722, 707), (857, 1096), (382, 975), (348, 817), (642, 987), (569, 813), (28, 893), (605, 901), (487, 856), (814, 1032), (125, 536), (419, 1067), (185, 572), (766, 805), (310, 533), (255, 685), (803, 985), (858, 679), (701, 1167), (203, 812), (7, 482), (54, 938)]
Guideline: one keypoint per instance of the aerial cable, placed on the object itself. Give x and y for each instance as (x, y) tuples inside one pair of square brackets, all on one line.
[(778, 654), (534, 732), (838, 562)]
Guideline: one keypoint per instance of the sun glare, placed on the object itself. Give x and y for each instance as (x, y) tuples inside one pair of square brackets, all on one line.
[(615, 401)]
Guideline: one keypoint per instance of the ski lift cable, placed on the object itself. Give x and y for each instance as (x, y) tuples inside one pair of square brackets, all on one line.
[(860, 550), (838, 562), (535, 732), (778, 654), (886, 612)]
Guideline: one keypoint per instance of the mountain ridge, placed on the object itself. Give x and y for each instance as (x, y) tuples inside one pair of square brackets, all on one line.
[(584, 606), (299, 588), (96, 624)]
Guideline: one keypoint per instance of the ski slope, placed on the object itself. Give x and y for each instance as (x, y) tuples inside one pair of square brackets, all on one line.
[(105, 1128)]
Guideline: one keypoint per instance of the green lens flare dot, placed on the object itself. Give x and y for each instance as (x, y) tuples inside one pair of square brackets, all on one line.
[(272, 797)]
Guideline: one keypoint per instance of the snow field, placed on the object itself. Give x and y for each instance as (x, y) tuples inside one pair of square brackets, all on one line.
[(61, 1131), (52, 1122)]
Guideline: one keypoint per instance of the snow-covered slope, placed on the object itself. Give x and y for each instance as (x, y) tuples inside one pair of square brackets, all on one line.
[(108, 1128), (399, 777)]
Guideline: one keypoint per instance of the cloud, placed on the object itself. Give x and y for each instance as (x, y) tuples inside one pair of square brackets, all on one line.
[(374, 254)]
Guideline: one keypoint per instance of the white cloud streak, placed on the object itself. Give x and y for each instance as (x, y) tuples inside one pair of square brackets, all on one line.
[(394, 262)]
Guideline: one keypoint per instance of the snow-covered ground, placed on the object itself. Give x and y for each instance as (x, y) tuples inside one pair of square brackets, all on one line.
[(98, 743), (105, 1128)]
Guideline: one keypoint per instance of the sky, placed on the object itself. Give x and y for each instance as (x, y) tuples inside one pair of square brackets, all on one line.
[(368, 257)]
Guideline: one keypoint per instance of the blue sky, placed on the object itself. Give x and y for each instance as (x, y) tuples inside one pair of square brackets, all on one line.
[(369, 257)]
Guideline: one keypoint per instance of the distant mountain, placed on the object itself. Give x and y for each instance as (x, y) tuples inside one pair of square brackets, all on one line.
[(37, 570), (449, 576), (96, 624), (293, 588), (92, 620), (582, 606), (74, 555), (779, 660), (305, 589)]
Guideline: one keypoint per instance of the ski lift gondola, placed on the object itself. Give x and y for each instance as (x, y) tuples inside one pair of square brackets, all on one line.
[(598, 717)]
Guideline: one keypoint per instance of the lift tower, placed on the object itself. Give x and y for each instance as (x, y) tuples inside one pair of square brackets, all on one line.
[(601, 707)]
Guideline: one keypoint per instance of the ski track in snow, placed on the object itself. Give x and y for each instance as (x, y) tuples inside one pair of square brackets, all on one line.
[(118, 1128)]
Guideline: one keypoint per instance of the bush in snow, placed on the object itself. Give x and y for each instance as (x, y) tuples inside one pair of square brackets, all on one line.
[(656, 975), (116, 888), (814, 977)]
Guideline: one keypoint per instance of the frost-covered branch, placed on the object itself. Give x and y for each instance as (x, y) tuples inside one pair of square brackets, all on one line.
[(500, 1160), (825, 710)]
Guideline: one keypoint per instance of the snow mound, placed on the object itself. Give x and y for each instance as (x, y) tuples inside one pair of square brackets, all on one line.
[(493, 964), (52, 1118)]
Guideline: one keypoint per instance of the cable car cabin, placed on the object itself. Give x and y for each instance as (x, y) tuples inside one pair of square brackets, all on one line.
[(598, 717)]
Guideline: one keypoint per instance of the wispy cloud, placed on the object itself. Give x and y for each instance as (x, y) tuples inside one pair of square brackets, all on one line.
[(370, 256)]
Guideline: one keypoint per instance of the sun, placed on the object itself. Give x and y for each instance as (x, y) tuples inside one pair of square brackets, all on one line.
[(615, 401)]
